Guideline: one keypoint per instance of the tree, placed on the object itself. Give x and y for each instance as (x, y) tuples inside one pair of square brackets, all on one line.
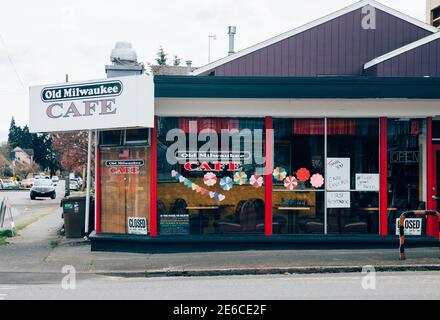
[(161, 59), (72, 148), (13, 135)]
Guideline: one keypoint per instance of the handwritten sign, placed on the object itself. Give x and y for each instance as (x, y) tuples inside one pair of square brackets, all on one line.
[(338, 200), (338, 174), (367, 182)]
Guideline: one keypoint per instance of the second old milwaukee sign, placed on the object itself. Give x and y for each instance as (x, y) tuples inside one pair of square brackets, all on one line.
[(104, 104)]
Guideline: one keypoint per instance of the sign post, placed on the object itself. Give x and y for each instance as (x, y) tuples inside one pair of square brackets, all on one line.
[(89, 157)]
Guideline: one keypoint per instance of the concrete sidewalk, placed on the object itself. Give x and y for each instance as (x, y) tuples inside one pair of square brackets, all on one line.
[(78, 254)]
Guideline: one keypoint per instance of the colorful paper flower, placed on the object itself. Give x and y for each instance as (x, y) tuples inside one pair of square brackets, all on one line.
[(210, 179), (279, 173), (226, 183), (303, 174), (240, 178), (290, 183), (221, 197), (317, 180), (256, 181)]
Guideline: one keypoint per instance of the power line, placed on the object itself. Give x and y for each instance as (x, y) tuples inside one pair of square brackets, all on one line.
[(12, 63)]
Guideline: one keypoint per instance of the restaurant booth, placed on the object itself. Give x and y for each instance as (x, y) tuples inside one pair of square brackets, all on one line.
[(323, 134)]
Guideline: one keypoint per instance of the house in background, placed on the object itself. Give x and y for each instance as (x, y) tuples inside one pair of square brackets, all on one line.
[(433, 12), (23, 155)]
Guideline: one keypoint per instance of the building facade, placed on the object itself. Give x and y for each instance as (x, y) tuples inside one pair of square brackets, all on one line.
[(327, 130), (433, 12)]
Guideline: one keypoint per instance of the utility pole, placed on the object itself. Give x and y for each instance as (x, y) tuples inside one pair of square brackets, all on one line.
[(213, 37)]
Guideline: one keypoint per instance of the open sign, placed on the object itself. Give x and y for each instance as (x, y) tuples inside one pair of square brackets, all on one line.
[(412, 227)]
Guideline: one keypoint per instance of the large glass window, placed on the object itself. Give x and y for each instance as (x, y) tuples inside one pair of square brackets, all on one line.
[(210, 176), (353, 176), (344, 185), (298, 176), (406, 167)]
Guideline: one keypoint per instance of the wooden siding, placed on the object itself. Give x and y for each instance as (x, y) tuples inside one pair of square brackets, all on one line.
[(338, 47), (419, 62)]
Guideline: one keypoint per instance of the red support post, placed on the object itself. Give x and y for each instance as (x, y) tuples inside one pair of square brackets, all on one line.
[(430, 205), (153, 180), (268, 178), (97, 189), (383, 166)]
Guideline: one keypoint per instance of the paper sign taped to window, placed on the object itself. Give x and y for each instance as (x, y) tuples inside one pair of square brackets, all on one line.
[(338, 200), (338, 174), (367, 182), (413, 227)]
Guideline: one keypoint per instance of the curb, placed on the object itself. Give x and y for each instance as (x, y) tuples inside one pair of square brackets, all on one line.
[(265, 271)]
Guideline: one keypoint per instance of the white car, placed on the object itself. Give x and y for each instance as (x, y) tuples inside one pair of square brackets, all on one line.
[(43, 188), (73, 185), (8, 184)]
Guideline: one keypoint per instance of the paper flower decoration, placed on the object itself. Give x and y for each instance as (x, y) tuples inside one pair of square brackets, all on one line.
[(256, 181), (290, 183), (279, 173), (317, 180), (240, 178), (210, 179), (226, 183), (303, 174)]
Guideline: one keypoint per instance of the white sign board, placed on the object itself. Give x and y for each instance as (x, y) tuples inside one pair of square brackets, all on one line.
[(413, 227), (367, 182), (102, 104), (338, 174), (137, 225), (338, 200)]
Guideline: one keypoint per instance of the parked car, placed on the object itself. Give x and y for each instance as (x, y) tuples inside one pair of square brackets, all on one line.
[(8, 184), (43, 188), (55, 180), (73, 185), (26, 183)]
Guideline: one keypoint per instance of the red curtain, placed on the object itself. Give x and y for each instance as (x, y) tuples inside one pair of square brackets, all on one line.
[(215, 124), (316, 127)]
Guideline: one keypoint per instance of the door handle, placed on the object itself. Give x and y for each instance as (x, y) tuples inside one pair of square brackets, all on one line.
[(435, 198)]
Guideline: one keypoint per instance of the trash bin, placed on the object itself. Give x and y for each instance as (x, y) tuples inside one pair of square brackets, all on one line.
[(74, 209)]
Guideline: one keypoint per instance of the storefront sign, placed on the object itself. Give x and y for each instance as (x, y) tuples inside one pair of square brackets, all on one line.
[(367, 182), (102, 104), (413, 226), (338, 200), (338, 174), (212, 166), (124, 166), (137, 225), (172, 224), (404, 157)]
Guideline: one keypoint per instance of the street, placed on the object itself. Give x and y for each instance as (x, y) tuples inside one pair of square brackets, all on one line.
[(402, 285)]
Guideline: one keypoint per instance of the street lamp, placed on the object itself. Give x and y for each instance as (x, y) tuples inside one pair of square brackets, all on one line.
[(213, 37)]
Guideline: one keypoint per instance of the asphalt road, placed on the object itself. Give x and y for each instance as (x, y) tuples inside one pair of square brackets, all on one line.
[(402, 285)]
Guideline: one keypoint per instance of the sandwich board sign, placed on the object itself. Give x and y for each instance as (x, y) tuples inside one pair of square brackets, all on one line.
[(125, 102)]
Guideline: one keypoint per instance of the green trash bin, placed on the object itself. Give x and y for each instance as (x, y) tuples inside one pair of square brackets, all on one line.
[(74, 209)]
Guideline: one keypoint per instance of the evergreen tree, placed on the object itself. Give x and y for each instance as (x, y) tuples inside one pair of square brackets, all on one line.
[(161, 59), (13, 135)]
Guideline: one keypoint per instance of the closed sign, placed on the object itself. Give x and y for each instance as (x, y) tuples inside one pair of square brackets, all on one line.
[(413, 226), (137, 225)]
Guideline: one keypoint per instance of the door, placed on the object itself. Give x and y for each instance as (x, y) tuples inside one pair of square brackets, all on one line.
[(435, 201), (124, 187)]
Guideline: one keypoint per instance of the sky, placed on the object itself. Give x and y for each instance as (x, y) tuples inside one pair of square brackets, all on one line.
[(42, 41)]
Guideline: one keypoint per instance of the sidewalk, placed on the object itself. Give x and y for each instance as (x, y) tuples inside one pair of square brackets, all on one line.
[(40, 250)]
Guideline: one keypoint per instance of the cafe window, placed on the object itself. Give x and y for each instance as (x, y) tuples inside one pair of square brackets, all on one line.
[(210, 176), (298, 176), (137, 136), (110, 138), (352, 176), (406, 167)]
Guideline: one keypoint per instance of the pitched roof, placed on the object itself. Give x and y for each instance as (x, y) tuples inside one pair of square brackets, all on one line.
[(399, 51), (209, 67)]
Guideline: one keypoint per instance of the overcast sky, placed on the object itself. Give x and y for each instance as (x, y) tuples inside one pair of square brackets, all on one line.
[(46, 39)]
